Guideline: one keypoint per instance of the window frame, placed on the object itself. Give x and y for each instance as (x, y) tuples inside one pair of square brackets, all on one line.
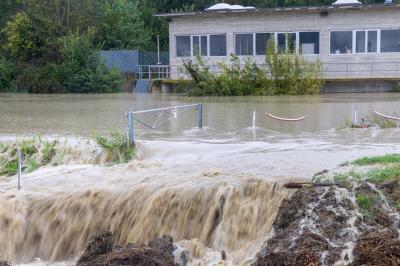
[(244, 33), (354, 42), (191, 37)]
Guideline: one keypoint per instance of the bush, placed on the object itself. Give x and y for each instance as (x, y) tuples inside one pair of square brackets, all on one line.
[(6, 75), (81, 70), (286, 73), (117, 147)]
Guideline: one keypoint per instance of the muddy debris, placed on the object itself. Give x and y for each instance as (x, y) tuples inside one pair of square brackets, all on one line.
[(4, 263), (377, 248), (101, 251), (320, 224)]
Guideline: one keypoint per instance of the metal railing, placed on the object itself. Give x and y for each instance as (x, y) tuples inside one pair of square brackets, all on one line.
[(330, 70), (155, 72), (170, 112)]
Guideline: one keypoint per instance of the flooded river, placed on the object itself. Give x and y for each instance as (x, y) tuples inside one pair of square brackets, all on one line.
[(184, 176)]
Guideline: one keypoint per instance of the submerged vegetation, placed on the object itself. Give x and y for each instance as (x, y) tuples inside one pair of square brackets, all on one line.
[(35, 153), (117, 147), (38, 152), (371, 121), (285, 73)]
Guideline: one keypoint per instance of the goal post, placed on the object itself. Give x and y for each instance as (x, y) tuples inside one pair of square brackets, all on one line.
[(171, 111)]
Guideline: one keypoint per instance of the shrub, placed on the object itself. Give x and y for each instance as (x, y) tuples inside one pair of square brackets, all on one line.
[(290, 73), (6, 75), (81, 70), (117, 147), (286, 73)]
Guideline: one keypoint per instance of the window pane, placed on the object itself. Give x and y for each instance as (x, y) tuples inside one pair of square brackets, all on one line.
[(291, 42), (196, 45), (182, 46), (341, 42), (244, 44), (372, 41), (262, 40), (309, 42), (204, 45), (390, 41), (360, 41), (217, 45), (281, 42)]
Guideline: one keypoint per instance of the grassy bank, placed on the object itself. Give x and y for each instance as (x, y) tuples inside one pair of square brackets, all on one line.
[(38, 152)]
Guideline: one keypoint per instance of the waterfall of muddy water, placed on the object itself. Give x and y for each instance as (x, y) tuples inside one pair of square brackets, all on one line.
[(231, 214)]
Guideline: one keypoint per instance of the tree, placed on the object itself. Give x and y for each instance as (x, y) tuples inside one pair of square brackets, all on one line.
[(121, 26)]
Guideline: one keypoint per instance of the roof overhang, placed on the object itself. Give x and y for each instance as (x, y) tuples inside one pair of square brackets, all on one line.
[(280, 10)]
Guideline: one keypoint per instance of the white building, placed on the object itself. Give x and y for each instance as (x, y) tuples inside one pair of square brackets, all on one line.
[(353, 41)]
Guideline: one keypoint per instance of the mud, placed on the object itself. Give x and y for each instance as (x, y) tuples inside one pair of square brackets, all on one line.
[(377, 248), (101, 251), (322, 225)]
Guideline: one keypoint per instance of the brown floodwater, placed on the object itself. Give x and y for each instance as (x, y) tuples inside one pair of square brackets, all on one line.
[(83, 115), (183, 178)]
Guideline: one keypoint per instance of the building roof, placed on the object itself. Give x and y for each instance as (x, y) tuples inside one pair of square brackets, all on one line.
[(280, 9)]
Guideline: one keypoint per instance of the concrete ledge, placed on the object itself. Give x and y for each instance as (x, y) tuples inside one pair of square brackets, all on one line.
[(358, 86)]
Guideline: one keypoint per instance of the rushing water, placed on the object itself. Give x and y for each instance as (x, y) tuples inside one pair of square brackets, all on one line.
[(212, 189)]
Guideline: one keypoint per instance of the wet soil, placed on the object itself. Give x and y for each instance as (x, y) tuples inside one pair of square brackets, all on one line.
[(324, 225), (101, 251)]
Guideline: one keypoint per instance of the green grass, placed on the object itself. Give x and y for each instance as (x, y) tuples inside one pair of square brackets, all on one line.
[(31, 165), (365, 202), (117, 147), (48, 151), (383, 175), (386, 159), (344, 177), (9, 168)]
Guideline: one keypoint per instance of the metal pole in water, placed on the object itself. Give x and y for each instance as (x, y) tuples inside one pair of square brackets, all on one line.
[(19, 169), (200, 115), (131, 133), (254, 119), (355, 115)]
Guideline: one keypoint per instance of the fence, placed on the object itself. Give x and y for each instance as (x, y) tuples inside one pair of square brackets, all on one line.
[(330, 70), (153, 72)]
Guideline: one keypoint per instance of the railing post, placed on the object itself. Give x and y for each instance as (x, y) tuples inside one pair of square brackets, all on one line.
[(149, 72), (371, 70), (131, 132), (355, 116), (19, 169), (254, 119), (200, 115)]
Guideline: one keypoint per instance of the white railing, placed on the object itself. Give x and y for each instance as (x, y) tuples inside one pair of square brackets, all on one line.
[(156, 72), (330, 70)]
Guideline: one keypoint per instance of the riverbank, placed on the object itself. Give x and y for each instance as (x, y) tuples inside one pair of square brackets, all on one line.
[(348, 217), (325, 221)]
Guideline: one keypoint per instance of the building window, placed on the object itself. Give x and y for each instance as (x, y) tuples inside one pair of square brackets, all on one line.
[(366, 41), (360, 41), (286, 42), (390, 41), (244, 44), (182, 46), (217, 45), (309, 42), (262, 41), (341, 42), (372, 41), (200, 45)]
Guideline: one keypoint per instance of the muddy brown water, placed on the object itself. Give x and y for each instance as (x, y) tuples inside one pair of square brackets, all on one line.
[(215, 189)]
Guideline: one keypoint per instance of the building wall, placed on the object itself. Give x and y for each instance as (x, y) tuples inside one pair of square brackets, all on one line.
[(360, 65)]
